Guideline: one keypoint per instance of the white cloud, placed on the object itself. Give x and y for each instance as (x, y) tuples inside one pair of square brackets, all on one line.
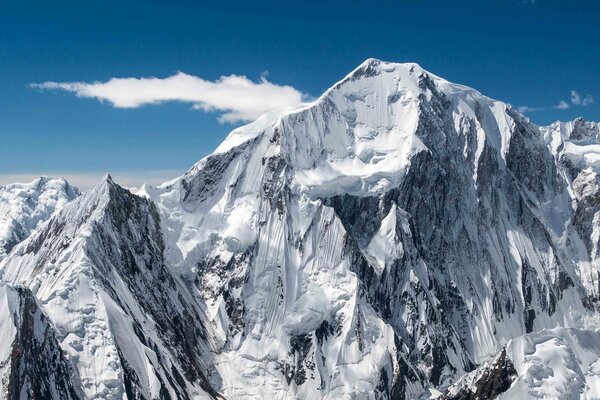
[(575, 100), (526, 109), (562, 105), (236, 97)]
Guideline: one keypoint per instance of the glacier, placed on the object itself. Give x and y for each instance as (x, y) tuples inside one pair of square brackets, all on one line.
[(399, 237)]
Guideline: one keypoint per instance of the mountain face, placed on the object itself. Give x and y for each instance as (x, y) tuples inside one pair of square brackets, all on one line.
[(128, 326), (24, 206), (400, 237), (32, 364)]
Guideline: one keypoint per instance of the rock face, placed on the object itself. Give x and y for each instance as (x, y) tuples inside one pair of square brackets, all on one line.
[(400, 236), (32, 364), (485, 383), (24, 206)]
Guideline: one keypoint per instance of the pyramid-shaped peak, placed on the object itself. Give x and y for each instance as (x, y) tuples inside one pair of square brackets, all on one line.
[(106, 187), (108, 178)]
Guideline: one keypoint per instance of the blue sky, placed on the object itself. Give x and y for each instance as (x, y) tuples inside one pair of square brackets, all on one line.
[(527, 53)]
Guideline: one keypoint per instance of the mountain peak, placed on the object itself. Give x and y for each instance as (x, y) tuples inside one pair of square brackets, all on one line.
[(373, 67), (108, 179), (375, 64), (358, 137), (105, 182), (42, 180)]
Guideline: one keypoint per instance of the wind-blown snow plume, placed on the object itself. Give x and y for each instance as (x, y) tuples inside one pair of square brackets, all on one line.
[(239, 98)]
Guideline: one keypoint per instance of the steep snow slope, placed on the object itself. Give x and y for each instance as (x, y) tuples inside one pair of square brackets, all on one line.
[(274, 271), (23, 206), (127, 325), (32, 365), (576, 149), (455, 223)]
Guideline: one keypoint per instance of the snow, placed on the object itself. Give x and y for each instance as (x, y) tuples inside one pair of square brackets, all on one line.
[(556, 363), (578, 141), (385, 247), (24, 206), (97, 316), (356, 155), (9, 307), (71, 298)]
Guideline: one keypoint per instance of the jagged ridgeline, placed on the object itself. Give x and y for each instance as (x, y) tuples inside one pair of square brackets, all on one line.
[(401, 237)]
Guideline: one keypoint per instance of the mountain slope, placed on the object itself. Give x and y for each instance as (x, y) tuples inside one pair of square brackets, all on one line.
[(397, 234), (128, 326), (24, 206), (32, 364)]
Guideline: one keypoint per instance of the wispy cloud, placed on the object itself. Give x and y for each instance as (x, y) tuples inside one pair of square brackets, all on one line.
[(575, 100), (236, 97), (575, 97), (526, 109)]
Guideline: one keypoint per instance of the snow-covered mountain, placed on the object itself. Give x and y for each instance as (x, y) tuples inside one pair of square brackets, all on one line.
[(24, 206), (32, 364), (400, 237), (127, 324)]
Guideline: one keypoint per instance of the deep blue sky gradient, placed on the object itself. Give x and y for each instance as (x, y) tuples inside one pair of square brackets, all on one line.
[(521, 52)]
